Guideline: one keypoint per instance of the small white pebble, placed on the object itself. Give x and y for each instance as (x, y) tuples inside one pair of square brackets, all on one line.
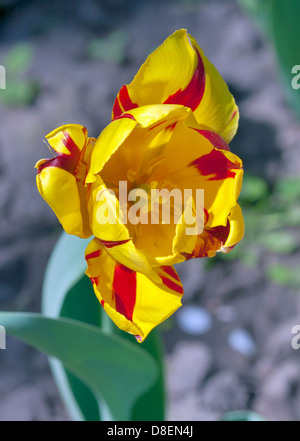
[(241, 341), (194, 320)]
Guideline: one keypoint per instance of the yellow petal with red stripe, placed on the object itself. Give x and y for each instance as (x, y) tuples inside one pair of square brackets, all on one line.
[(168, 69), (217, 110), (134, 302), (200, 159), (211, 240), (69, 139), (236, 230), (179, 73), (167, 147), (60, 180)]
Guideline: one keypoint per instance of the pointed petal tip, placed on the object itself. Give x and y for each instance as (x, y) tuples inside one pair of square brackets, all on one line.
[(139, 338)]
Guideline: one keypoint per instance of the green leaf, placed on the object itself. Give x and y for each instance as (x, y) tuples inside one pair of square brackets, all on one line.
[(151, 405), (260, 10), (67, 292), (285, 30), (115, 370), (65, 268), (280, 21), (80, 303)]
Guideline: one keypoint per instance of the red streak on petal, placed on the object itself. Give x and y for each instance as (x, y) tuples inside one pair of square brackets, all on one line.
[(93, 255), (212, 239), (156, 125), (111, 244), (171, 272), (70, 144), (217, 141), (102, 303), (187, 256), (220, 233), (125, 99), (63, 160), (124, 289), (171, 127), (126, 115), (172, 285), (117, 111), (95, 280), (192, 95), (215, 163), (233, 115), (206, 214)]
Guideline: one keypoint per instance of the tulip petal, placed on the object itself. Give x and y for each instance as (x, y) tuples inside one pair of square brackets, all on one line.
[(134, 302), (195, 159), (217, 110), (167, 70), (60, 180), (108, 142), (179, 73), (69, 139), (107, 224), (210, 240), (167, 147), (237, 228), (127, 131)]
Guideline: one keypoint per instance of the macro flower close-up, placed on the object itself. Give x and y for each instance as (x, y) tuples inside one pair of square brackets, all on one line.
[(168, 139)]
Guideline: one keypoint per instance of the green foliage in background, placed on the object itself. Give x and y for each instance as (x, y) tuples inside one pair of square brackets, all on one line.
[(279, 19), (272, 220), (111, 48), (19, 90)]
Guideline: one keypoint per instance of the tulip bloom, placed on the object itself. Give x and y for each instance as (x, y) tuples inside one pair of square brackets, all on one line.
[(170, 131)]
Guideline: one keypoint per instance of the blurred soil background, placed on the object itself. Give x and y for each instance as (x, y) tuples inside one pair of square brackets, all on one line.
[(229, 347)]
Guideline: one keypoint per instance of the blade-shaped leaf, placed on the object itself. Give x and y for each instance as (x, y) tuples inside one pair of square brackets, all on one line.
[(115, 370), (67, 292), (285, 28)]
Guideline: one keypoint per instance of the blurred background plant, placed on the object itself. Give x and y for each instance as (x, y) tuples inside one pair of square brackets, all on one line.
[(279, 20), (110, 48), (20, 91), (271, 218)]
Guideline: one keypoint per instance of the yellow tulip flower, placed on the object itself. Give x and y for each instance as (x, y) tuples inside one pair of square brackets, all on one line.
[(168, 139)]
